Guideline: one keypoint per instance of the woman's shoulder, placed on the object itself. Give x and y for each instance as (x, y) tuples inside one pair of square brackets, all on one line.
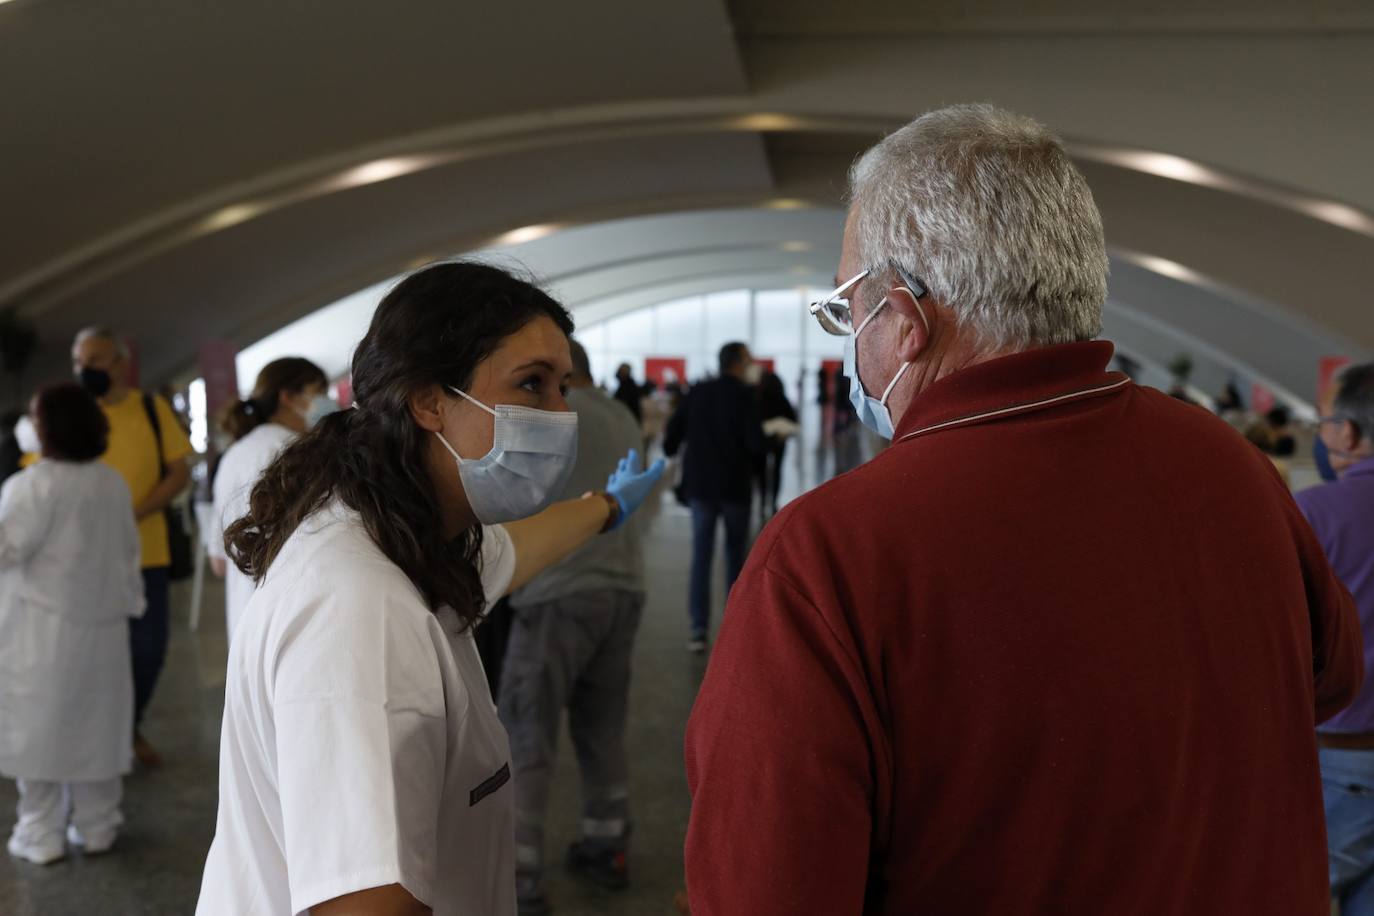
[(265, 439), (68, 487), (331, 555), (333, 600)]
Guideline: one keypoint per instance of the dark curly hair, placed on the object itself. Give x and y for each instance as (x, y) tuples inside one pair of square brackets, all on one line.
[(70, 423), (435, 327)]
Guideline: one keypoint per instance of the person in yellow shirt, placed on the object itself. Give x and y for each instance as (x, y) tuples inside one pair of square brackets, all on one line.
[(156, 470)]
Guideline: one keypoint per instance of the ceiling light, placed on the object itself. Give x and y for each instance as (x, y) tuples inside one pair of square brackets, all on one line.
[(795, 246), (229, 216), (786, 203), (1340, 214), (526, 234), (381, 170), (1166, 165), (1164, 266), (766, 121)]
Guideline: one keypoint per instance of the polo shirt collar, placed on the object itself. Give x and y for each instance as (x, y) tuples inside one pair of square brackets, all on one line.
[(1362, 468), (1016, 384)]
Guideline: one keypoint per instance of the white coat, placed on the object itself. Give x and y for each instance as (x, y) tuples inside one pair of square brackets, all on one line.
[(69, 582), (239, 471), (360, 745)]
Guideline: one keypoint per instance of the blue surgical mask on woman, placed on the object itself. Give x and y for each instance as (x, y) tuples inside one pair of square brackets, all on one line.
[(26, 436), (321, 406), (532, 456)]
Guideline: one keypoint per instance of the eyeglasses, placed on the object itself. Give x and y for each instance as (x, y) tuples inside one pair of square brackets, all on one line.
[(833, 312)]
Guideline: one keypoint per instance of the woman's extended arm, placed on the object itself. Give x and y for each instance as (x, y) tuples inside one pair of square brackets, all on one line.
[(391, 900), (542, 540)]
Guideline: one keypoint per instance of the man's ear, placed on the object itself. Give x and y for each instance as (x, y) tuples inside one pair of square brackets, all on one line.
[(1350, 436), (426, 407), (917, 322)]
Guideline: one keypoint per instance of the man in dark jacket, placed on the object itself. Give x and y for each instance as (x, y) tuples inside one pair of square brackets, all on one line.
[(719, 423), (628, 391)]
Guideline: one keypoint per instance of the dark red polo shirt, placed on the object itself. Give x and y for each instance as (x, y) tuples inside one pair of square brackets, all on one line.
[(1060, 649)]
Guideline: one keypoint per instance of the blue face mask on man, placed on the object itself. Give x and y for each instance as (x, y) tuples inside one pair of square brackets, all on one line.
[(1322, 456), (873, 412)]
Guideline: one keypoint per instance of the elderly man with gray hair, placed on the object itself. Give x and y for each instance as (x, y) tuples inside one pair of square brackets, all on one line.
[(1062, 647)]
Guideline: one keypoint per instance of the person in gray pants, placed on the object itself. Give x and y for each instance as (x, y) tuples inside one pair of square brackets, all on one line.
[(570, 647)]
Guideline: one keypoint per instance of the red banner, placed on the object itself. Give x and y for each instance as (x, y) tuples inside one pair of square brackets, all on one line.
[(343, 391), (833, 368), (665, 370), (219, 369), (132, 374), (1261, 398)]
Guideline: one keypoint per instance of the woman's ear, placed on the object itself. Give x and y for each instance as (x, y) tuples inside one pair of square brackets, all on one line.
[(916, 326), (426, 407)]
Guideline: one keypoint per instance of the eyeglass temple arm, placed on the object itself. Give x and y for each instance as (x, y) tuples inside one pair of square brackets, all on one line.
[(916, 285)]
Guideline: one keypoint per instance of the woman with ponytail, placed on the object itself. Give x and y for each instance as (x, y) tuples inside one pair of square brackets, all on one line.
[(288, 399), (363, 769)]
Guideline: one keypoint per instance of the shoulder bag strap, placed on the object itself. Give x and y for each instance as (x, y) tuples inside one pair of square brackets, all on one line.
[(150, 408)]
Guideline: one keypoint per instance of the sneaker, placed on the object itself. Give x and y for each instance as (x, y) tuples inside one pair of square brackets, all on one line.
[(38, 855), (146, 754), (599, 864), (697, 643), (530, 899), (101, 844), (533, 906)]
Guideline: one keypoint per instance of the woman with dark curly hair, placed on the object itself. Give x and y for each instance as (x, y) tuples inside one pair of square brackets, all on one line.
[(69, 582), (362, 765)]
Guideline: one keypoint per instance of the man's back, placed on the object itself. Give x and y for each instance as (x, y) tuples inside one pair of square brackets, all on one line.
[(1057, 661), (720, 426), (606, 432), (1342, 517)]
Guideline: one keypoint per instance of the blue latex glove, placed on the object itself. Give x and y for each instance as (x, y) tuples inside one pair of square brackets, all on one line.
[(630, 486)]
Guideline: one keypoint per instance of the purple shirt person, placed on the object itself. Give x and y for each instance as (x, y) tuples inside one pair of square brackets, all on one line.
[(1342, 516)]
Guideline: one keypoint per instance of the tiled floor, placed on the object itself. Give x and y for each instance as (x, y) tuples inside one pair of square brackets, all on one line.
[(156, 866)]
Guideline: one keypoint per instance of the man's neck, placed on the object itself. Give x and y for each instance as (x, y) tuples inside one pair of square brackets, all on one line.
[(1353, 459), (949, 359), (116, 396)]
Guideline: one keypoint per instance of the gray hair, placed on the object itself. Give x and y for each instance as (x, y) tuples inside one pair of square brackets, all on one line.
[(986, 208), (1355, 399), (102, 333)]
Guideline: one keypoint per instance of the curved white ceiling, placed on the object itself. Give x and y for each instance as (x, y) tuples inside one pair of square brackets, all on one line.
[(1155, 311), (190, 172)]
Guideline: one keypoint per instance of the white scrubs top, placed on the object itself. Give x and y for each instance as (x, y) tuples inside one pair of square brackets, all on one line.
[(69, 582), (239, 471), (360, 745)]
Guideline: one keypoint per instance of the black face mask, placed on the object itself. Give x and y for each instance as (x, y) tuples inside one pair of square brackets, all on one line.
[(96, 381)]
